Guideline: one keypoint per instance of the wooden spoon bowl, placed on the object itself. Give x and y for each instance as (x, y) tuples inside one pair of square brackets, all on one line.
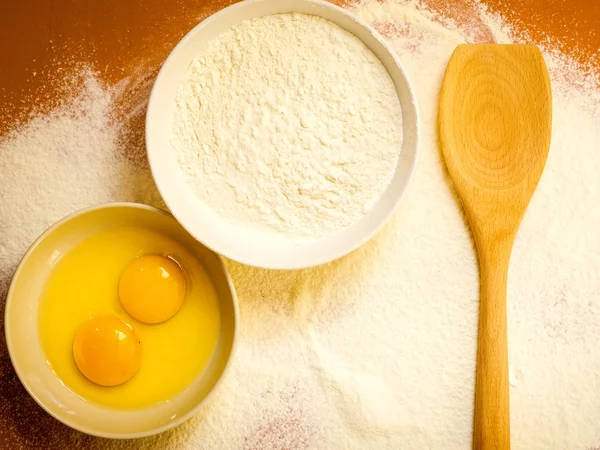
[(495, 125)]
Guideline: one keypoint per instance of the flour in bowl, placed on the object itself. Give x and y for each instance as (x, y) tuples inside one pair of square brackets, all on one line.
[(288, 123)]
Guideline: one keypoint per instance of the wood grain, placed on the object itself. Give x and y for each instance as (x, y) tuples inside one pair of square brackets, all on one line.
[(495, 124)]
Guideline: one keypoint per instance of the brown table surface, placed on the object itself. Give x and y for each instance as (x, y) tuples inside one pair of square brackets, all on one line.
[(43, 40)]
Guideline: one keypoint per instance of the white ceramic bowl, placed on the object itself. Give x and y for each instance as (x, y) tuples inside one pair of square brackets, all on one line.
[(22, 335), (234, 241)]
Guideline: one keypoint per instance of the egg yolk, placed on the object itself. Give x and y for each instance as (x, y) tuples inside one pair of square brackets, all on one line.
[(107, 351), (152, 288)]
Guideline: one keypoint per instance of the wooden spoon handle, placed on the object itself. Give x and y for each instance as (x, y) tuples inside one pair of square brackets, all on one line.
[(492, 418)]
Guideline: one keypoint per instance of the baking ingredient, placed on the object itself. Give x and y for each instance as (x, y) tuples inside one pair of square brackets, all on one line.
[(376, 350), (288, 124), (82, 294), (152, 288), (80, 140), (107, 351)]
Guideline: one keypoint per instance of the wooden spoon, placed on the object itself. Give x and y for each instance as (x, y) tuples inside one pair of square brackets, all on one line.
[(495, 122)]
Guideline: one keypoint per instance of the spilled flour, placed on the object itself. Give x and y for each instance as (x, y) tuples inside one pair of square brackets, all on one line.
[(62, 162), (376, 350)]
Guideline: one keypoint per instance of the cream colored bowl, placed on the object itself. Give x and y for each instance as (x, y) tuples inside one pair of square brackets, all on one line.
[(241, 243), (22, 335)]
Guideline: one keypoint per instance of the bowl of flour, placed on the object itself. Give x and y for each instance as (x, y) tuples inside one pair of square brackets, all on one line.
[(282, 133)]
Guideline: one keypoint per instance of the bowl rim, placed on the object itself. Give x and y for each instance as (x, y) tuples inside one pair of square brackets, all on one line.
[(257, 260), (7, 326)]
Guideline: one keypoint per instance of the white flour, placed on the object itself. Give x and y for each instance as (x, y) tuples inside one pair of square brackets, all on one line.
[(57, 164), (288, 123), (376, 350)]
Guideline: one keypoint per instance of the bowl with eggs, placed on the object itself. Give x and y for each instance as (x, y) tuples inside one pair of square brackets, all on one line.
[(282, 133), (119, 323)]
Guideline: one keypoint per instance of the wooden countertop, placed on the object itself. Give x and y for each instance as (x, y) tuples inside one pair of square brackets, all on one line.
[(116, 36)]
